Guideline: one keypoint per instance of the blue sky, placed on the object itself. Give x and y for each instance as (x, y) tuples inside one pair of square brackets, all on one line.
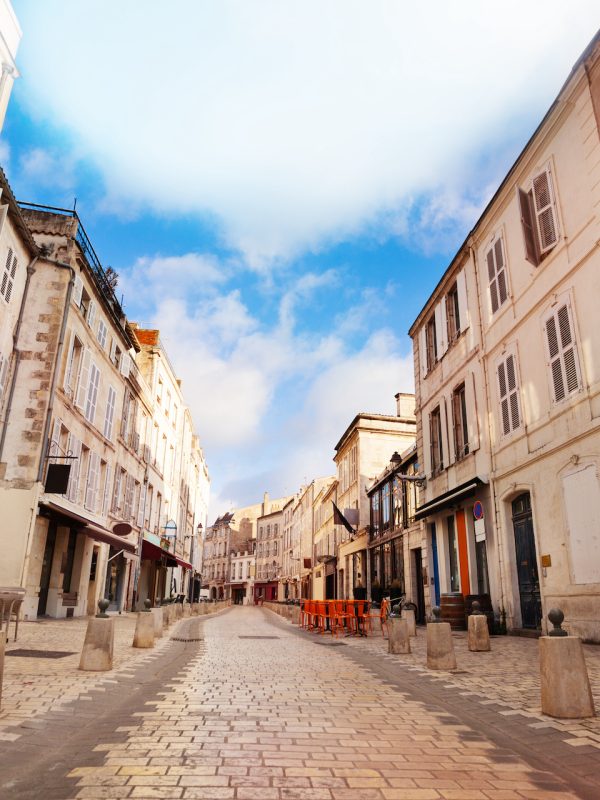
[(279, 186)]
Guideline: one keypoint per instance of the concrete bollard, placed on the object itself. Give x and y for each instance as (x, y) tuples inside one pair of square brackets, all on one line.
[(440, 650), (478, 633), (398, 635), (144, 628), (409, 615), (157, 618), (566, 691), (98, 647)]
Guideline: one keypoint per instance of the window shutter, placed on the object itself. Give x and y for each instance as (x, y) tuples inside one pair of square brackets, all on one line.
[(463, 308), (500, 270), (4, 365), (74, 446), (117, 489), (441, 334), (102, 332), (423, 351), (110, 412), (54, 449), (92, 482), (545, 212), (92, 397), (471, 409), (84, 379), (77, 290), (113, 350), (562, 352), (142, 505), (106, 490), (69, 363), (125, 365), (508, 391), (444, 433), (451, 405), (8, 275), (532, 251), (91, 314)]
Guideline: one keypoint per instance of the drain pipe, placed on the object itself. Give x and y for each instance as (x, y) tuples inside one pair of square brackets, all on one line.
[(61, 341), (17, 331)]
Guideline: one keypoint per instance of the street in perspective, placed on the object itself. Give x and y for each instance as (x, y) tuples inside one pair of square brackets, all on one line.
[(299, 400)]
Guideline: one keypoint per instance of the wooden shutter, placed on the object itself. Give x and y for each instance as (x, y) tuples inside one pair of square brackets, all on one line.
[(90, 408), (106, 493), (92, 482), (110, 412), (444, 433), (441, 334), (508, 391), (562, 353), (4, 365), (471, 410), (117, 488), (54, 449), (77, 290), (125, 365), (423, 351), (74, 446), (101, 335), (452, 451), (532, 249), (91, 313), (463, 307), (83, 379), (545, 212), (142, 505), (113, 350), (69, 363), (426, 430)]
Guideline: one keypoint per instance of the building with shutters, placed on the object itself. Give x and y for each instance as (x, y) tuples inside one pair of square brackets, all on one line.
[(269, 544), (83, 477), (524, 437)]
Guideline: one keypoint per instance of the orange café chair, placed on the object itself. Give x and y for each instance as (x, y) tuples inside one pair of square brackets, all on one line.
[(341, 615)]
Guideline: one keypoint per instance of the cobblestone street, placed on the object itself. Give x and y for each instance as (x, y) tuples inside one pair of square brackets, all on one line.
[(259, 709)]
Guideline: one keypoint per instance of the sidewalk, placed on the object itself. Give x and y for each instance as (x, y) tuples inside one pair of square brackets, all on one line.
[(507, 676), (34, 686)]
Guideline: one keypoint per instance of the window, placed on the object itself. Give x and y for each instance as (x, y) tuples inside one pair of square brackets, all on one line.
[(92, 394), (508, 391), (74, 449), (459, 422), (453, 314), (562, 353), (435, 438), (102, 333), (110, 413), (128, 499), (385, 507), (83, 380), (72, 366), (117, 490), (430, 339), (496, 267), (8, 276), (375, 515), (91, 313), (539, 218), (106, 468)]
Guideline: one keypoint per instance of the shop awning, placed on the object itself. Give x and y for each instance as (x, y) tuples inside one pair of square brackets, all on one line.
[(449, 498), (89, 528), (151, 550)]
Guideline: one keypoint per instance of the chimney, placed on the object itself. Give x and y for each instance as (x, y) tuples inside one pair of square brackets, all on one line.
[(405, 405)]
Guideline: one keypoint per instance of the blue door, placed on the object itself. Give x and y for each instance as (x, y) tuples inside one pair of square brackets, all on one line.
[(436, 572)]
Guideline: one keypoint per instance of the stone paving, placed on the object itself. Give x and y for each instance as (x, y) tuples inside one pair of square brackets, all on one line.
[(508, 676), (260, 713), (260, 710), (34, 686)]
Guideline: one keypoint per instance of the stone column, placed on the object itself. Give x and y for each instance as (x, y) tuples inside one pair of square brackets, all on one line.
[(98, 647), (566, 691), (478, 635), (398, 635), (440, 650), (144, 628)]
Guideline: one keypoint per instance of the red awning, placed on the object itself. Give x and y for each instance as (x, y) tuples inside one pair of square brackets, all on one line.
[(154, 553), (182, 563), (102, 535)]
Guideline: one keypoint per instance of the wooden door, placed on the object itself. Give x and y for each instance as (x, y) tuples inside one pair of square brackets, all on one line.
[(526, 558)]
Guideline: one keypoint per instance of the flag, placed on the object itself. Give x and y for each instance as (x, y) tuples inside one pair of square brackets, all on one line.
[(340, 519)]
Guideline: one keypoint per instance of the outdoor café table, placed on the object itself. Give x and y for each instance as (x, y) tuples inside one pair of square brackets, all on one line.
[(353, 606)]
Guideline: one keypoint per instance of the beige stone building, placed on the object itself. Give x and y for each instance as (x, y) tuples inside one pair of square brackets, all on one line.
[(361, 453), (529, 360), (325, 542), (269, 545)]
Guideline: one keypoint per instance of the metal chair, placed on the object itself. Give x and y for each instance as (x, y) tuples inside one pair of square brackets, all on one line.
[(11, 599)]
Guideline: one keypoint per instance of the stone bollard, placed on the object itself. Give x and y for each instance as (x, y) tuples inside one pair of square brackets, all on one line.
[(159, 623), (440, 650), (398, 635), (144, 627), (409, 615), (566, 691), (479, 635), (98, 647)]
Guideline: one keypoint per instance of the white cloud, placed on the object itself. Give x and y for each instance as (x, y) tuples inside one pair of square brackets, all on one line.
[(47, 169), (293, 124)]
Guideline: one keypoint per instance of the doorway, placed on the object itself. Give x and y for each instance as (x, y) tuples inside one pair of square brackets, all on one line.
[(46, 568), (418, 572), (526, 560)]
